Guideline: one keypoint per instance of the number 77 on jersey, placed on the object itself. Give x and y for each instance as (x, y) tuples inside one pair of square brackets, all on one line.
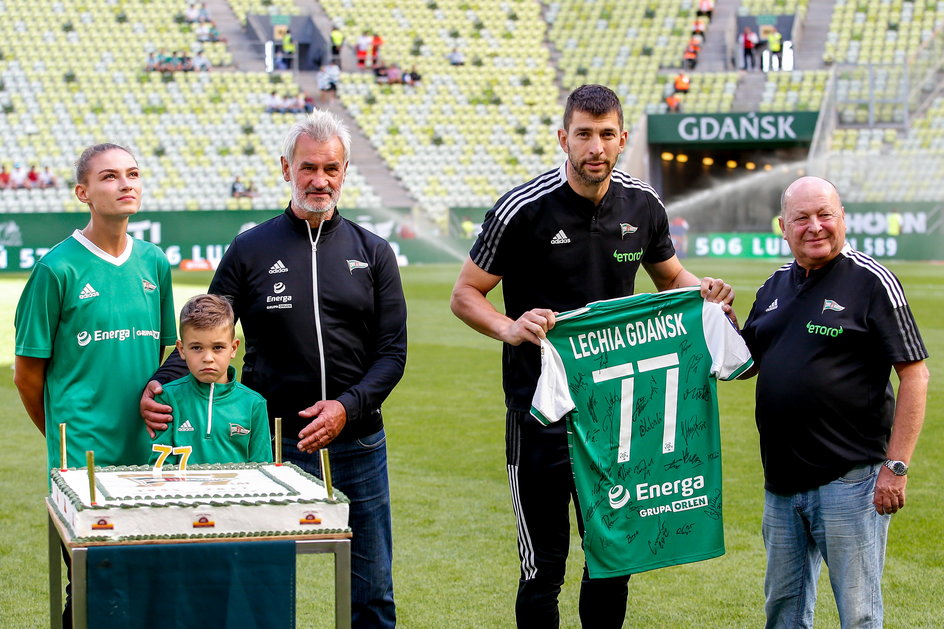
[(635, 378)]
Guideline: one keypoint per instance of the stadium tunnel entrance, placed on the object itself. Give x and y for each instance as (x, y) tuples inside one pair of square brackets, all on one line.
[(737, 190), (726, 172)]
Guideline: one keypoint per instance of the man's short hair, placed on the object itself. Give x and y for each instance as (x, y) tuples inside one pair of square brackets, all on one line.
[(596, 100), (320, 126), (207, 312)]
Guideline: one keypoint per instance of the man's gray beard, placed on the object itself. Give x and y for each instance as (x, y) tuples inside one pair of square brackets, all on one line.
[(309, 209)]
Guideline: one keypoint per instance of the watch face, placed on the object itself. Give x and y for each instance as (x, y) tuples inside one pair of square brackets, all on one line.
[(897, 467)]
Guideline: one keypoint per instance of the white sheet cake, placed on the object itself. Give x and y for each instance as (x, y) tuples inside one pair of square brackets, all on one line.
[(205, 501)]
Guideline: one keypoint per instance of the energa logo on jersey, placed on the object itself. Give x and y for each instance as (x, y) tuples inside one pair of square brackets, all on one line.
[(681, 490), (85, 337)]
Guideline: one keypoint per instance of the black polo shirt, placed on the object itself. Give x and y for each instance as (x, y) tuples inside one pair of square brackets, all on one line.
[(555, 249), (825, 345)]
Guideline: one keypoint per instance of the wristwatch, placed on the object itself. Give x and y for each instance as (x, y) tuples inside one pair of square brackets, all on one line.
[(898, 468)]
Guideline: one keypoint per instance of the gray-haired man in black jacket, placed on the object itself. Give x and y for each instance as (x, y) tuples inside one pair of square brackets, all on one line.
[(324, 317)]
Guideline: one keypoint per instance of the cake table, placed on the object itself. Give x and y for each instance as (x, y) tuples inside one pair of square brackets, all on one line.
[(336, 543)]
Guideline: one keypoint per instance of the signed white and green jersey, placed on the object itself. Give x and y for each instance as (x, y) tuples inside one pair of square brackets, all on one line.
[(635, 377), (101, 322)]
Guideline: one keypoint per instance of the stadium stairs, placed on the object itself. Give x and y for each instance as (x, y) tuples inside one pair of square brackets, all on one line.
[(812, 43), (248, 57), (717, 52), (363, 153), (809, 49), (750, 91)]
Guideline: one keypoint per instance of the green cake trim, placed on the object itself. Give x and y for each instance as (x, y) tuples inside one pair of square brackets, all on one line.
[(262, 497)]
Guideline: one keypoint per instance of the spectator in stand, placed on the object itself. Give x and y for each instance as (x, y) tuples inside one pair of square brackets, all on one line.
[(47, 179), (337, 42), (192, 14), (380, 71), (775, 43), (362, 49), (279, 61), (208, 32), (328, 79), (186, 63), (153, 62), (273, 103), (682, 83), (18, 176), (412, 77), (375, 43), (705, 7), (203, 32), (748, 41), (674, 103), (32, 177), (162, 60), (4, 177), (175, 62), (287, 104), (288, 49), (296, 105), (201, 63), (394, 74), (698, 27), (690, 56), (456, 58), (238, 190)]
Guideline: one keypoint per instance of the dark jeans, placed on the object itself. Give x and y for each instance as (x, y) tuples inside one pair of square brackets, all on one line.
[(359, 470), (748, 56)]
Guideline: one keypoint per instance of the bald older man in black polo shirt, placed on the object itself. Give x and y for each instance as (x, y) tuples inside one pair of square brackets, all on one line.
[(825, 332)]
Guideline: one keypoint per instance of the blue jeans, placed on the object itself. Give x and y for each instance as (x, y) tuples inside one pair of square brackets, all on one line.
[(836, 522), (359, 469)]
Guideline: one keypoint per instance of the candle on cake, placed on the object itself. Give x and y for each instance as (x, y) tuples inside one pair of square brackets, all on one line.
[(90, 464), (62, 447)]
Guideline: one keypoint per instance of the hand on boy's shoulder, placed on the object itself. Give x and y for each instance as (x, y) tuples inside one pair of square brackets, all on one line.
[(156, 416)]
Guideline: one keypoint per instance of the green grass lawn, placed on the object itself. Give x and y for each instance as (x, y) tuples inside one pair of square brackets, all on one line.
[(454, 540)]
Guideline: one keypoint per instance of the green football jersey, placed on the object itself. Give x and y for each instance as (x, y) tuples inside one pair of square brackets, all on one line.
[(101, 322), (635, 377), (213, 423)]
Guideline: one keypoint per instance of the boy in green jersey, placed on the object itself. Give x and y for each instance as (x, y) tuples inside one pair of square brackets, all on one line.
[(216, 419)]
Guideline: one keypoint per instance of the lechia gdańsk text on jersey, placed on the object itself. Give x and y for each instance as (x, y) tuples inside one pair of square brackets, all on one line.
[(635, 377)]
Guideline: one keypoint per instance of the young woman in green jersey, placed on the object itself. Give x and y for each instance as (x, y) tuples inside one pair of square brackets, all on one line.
[(92, 324), (93, 321)]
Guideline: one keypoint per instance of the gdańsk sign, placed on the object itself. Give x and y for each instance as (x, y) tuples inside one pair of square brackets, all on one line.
[(795, 127)]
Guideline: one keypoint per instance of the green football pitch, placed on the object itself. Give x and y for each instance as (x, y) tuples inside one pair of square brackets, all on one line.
[(454, 535)]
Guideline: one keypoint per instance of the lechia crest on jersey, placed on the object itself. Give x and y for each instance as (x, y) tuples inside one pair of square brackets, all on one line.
[(635, 378)]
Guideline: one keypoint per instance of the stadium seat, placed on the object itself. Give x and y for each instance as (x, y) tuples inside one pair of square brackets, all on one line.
[(95, 89)]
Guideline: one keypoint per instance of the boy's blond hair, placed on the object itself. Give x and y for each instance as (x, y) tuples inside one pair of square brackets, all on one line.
[(207, 312)]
